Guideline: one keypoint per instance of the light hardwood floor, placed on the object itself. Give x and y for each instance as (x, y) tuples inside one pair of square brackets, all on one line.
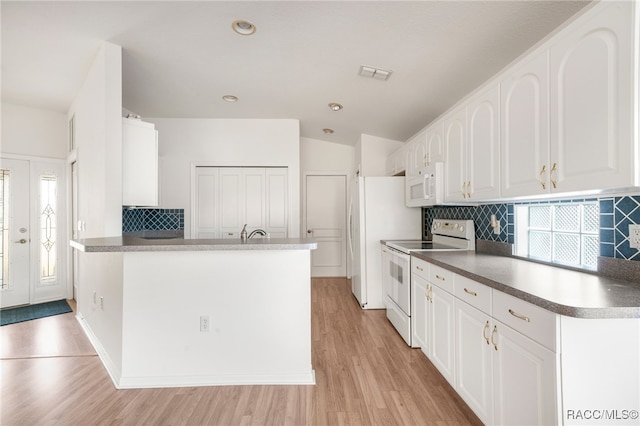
[(365, 374)]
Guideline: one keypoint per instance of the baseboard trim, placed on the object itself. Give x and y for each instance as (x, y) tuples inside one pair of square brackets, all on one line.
[(112, 370)]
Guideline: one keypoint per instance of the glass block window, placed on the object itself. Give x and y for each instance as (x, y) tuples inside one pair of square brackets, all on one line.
[(563, 233), (4, 229), (48, 229)]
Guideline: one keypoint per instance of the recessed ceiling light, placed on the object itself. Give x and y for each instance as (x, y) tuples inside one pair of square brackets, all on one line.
[(328, 131), (243, 27), (230, 98), (335, 106)]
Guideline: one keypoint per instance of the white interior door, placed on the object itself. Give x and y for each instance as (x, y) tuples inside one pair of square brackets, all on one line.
[(326, 202), (14, 208)]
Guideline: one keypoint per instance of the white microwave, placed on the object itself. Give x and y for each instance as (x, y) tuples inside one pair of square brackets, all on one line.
[(427, 188)]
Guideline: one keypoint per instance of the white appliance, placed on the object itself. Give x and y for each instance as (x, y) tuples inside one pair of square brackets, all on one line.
[(448, 235), (376, 212), (427, 188)]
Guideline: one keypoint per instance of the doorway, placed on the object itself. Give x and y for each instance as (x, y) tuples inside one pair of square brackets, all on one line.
[(33, 218), (326, 222)]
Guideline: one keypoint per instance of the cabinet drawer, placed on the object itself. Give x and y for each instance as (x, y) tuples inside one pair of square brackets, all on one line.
[(476, 294), (441, 277), (420, 268), (530, 320)]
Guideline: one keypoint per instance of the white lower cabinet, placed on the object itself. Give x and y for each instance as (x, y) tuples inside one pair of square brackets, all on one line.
[(508, 375), (524, 373), (441, 329), (474, 378)]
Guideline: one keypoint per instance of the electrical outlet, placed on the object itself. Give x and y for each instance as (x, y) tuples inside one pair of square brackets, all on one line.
[(205, 323), (634, 236)]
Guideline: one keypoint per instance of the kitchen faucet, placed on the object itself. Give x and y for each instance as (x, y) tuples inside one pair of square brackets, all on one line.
[(258, 231)]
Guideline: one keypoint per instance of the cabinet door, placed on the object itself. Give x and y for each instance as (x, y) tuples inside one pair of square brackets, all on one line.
[(483, 145), (435, 142), (277, 202), (474, 373), (205, 224), (418, 157), (419, 307), (231, 200), (253, 191), (455, 134), (139, 163), (591, 80), (442, 333), (524, 149), (524, 379)]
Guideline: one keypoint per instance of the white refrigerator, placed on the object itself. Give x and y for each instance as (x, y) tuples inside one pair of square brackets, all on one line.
[(377, 212)]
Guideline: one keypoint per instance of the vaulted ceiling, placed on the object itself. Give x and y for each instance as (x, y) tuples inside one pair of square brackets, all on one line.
[(181, 57)]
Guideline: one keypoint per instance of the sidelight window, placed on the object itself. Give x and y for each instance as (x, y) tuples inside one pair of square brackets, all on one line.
[(48, 229), (563, 233), (4, 228)]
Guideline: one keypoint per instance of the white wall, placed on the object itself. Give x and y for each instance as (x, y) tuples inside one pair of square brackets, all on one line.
[(322, 156), (183, 143), (33, 132), (371, 154), (98, 134)]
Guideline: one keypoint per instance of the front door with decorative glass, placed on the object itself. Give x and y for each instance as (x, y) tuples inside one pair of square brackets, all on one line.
[(14, 208), (33, 251)]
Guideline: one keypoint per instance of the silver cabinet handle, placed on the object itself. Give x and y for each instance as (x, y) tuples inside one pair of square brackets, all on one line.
[(441, 278), (493, 333), (473, 293), (542, 182), (519, 316), (484, 332), (21, 241), (554, 169), (419, 268)]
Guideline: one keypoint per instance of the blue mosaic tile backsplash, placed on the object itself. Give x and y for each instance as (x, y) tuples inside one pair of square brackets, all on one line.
[(152, 219), (616, 213)]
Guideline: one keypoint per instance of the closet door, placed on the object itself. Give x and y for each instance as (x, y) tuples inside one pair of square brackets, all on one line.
[(232, 202)]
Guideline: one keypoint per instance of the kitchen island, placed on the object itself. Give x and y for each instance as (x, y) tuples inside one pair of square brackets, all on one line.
[(178, 312)]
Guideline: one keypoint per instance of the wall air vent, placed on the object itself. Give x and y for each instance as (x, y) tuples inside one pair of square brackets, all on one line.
[(375, 73)]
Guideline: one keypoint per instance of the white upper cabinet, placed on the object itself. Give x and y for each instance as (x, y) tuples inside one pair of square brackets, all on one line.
[(567, 111), (591, 102), (397, 162), (139, 163), (455, 138), (435, 143), (472, 140), (417, 146), (483, 145), (525, 128)]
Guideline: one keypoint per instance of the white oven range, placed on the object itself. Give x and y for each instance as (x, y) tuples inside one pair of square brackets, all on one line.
[(448, 235)]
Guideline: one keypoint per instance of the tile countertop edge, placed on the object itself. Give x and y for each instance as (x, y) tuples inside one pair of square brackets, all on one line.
[(133, 244), (599, 312)]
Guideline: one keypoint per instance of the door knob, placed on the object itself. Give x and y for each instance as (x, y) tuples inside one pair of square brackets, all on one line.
[(21, 241)]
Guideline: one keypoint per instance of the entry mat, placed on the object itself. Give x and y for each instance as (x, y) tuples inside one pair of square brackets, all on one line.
[(27, 313)]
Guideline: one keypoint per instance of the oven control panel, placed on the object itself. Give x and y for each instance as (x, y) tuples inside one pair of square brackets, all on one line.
[(453, 228)]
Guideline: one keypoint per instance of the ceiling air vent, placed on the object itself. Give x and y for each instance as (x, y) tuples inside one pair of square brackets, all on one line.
[(375, 73)]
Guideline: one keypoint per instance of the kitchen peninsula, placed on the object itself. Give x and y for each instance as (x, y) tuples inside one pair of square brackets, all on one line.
[(198, 312)]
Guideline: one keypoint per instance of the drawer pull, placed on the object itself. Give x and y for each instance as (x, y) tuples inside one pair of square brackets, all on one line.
[(517, 315), (484, 332), (419, 268), (473, 293), (440, 277), (493, 333)]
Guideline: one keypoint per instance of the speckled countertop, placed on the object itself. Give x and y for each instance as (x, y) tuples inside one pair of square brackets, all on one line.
[(559, 290), (134, 244)]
